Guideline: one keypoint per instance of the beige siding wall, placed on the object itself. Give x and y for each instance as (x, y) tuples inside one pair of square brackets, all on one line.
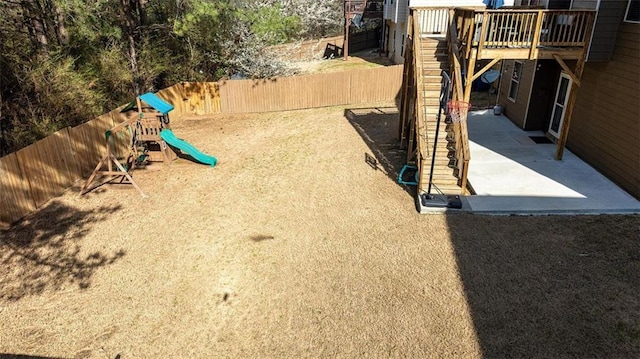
[(608, 20), (516, 111), (391, 10), (403, 11), (605, 129), (585, 4), (395, 46)]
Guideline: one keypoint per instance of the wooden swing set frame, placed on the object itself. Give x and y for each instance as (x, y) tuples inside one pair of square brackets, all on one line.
[(146, 129)]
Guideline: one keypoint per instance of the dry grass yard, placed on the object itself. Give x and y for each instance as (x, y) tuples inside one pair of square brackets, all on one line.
[(361, 60), (294, 246)]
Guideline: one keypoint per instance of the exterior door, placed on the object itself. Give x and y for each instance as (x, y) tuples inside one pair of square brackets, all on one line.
[(560, 104)]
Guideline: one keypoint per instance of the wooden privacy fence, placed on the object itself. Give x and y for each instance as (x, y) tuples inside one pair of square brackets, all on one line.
[(308, 50), (43, 170), (309, 91)]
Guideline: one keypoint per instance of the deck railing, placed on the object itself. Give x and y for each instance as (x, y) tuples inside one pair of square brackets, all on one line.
[(515, 29), (432, 20)]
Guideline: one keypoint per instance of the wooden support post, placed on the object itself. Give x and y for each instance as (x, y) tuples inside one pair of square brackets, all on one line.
[(406, 80), (463, 123), (345, 45), (95, 172), (533, 53), (568, 114), (458, 75), (463, 178), (573, 95), (566, 69), (486, 68), (470, 72), (411, 142), (111, 160), (126, 174), (483, 32)]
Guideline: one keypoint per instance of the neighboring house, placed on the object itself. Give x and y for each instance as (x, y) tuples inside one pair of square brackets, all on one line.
[(605, 126), (396, 15)]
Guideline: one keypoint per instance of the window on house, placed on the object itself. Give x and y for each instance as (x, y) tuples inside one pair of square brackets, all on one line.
[(515, 80), (532, 3), (402, 46), (633, 12)]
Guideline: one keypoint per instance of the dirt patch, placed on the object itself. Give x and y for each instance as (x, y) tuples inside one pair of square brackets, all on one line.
[(295, 246)]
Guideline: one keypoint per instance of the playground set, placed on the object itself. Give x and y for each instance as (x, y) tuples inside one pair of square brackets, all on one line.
[(150, 139)]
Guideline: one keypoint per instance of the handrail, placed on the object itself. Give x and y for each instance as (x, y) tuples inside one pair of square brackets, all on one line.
[(432, 20), (421, 122), (463, 153), (524, 28)]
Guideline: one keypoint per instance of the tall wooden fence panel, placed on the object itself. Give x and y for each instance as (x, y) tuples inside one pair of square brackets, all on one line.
[(309, 91), (50, 166), (364, 40), (375, 85), (202, 98), (212, 98), (15, 193), (89, 143), (308, 50), (177, 96), (282, 94)]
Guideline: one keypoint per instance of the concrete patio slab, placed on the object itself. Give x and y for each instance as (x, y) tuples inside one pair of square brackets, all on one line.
[(511, 174)]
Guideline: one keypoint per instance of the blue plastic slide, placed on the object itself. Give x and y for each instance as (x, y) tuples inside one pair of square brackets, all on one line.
[(187, 148)]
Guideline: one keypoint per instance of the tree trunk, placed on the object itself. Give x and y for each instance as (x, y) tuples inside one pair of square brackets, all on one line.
[(60, 24), (141, 9), (33, 16), (129, 26)]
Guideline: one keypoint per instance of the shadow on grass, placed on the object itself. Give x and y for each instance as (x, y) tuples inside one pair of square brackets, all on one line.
[(378, 128), (551, 287), (22, 356), (45, 252)]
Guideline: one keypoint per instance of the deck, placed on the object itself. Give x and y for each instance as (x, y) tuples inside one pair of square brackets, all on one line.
[(525, 34)]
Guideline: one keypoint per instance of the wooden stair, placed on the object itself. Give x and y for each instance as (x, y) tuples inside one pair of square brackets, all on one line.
[(435, 58)]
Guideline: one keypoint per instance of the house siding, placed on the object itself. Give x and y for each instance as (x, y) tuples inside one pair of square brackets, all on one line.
[(608, 19), (391, 10), (516, 111), (395, 44), (605, 129), (397, 16), (403, 11)]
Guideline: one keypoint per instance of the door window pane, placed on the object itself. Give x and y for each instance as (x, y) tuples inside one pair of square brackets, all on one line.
[(555, 121), (562, 93)]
